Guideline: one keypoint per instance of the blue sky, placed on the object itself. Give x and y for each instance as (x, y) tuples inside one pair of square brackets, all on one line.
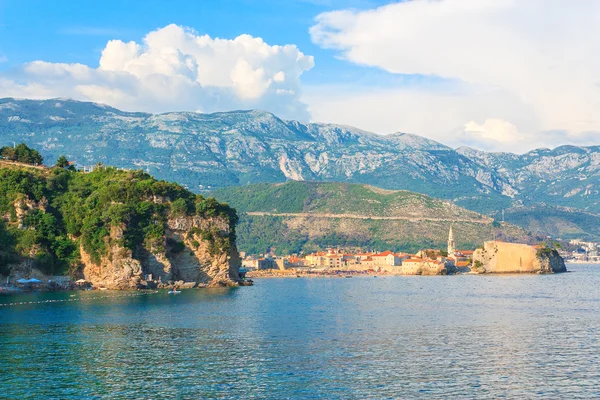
[(501, 75), (77, 31)]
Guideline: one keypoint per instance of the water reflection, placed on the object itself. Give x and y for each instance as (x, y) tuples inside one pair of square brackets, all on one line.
[(466, 336)]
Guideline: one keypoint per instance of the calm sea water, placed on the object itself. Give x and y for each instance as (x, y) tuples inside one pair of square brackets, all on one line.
[(528, 336)]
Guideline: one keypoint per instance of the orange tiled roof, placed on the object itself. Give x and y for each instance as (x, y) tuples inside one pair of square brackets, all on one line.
[(384, 254)]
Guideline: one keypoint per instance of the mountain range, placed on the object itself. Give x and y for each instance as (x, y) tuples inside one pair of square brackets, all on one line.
[(210, 151)]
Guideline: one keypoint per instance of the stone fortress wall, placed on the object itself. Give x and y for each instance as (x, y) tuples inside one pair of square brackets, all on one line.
[(501, 257)]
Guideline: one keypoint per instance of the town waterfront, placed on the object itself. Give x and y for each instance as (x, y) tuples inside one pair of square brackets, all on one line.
[(465, 336)]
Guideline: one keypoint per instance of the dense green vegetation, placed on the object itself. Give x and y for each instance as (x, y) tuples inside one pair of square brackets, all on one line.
[(259, 234), (62, 162), (21, 153), (50, 213)]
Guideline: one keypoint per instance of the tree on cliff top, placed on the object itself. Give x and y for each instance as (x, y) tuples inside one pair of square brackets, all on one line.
[(62, 162), (21, 153)]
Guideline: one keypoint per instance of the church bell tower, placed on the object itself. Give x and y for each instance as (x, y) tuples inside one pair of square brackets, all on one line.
[(451, 244)]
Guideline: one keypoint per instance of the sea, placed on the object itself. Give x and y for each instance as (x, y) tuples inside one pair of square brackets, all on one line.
[(459, 337)]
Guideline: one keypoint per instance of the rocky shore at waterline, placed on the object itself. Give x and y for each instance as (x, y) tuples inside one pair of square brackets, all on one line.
[(53, 286)]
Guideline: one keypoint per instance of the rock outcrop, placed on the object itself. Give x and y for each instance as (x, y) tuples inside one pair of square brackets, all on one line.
[(426, 267), (116, 270), (194, 249), (210, 254), (501, 257)]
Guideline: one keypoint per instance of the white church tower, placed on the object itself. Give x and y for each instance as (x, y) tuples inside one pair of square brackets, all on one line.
[(451, 244)]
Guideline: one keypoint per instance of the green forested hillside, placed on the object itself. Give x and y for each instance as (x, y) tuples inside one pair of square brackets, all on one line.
[(49, 213), (563, 223), (340, 198), (305, 216)]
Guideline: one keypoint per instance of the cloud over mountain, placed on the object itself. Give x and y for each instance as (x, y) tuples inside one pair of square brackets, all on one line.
[(174, 68), (523, 67)]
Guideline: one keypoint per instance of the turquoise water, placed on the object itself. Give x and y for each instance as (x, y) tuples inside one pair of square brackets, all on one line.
[(530, 336)]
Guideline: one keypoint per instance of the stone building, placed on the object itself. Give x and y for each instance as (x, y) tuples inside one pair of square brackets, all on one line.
[(451, 244), (501, 257)]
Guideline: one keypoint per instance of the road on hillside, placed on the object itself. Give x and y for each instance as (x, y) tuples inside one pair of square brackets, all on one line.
[(354, 216)]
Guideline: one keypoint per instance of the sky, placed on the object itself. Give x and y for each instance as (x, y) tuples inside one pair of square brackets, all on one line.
[(498, 75)]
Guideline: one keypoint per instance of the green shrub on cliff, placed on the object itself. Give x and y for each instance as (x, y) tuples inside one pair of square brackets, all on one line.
[(179, 208), (17, 182)]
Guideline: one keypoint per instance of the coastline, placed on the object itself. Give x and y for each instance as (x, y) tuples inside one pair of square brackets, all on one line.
[(325, 274), (266, 274), (583, 262), (11, 290)]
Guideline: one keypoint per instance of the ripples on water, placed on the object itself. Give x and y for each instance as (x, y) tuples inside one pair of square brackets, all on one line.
[(530, 336)]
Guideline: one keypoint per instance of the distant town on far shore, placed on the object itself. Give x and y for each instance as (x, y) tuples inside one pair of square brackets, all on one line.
[(493, 257)]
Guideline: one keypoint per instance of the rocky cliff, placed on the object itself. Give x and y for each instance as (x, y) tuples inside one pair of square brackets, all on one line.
[(209, 254), (115, 229), (193, 249), (501, 257)]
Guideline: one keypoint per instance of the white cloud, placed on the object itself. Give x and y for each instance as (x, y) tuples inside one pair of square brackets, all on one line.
[(442, 116), (533, 64), (492, 130), (175, 69)]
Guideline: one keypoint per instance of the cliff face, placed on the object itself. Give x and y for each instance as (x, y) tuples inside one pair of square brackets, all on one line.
[(209, 255), (500, 257), (193, 249), (551, 262)]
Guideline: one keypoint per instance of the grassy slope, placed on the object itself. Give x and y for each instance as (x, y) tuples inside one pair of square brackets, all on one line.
[(294, 234), (338, 198)]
